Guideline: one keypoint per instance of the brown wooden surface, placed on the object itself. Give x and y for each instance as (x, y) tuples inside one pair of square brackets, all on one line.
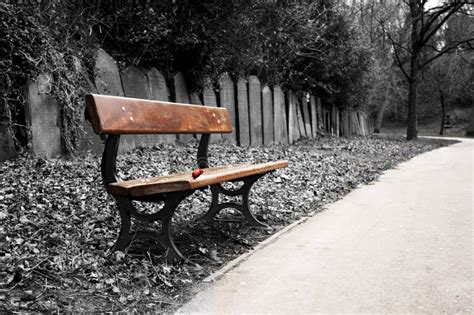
[(185, 181), (120, 115)]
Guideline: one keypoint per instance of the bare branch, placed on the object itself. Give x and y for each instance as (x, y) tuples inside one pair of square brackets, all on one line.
[(397, 56), (449, 10), (449, 48)]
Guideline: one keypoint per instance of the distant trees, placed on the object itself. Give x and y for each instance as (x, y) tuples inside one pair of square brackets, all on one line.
[(448, 80), (307, 45), (372, 19), (424, 44)]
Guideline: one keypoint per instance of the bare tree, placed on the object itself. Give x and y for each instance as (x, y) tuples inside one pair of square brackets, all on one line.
[(414, 54)]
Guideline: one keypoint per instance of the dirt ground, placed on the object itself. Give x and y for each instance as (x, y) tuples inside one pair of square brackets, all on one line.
[(58, 224)]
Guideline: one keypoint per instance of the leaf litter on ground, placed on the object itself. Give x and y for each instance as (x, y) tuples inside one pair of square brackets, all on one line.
[(58, 224)]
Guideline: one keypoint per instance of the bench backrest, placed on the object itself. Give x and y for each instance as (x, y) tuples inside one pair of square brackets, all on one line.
[(121, 115)]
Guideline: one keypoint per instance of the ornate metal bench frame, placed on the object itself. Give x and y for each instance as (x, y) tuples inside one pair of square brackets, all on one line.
[(171, 201)]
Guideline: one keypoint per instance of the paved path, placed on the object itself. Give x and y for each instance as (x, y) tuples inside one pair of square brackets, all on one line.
[(404, 244)]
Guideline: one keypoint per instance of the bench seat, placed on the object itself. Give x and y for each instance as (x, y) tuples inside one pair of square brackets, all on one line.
[(184, 181)]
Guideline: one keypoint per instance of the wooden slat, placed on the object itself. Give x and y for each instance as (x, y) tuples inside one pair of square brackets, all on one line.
[(120, 115), (184, 181)]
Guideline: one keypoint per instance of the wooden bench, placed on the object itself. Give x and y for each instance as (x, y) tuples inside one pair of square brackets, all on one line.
[(112, 116)]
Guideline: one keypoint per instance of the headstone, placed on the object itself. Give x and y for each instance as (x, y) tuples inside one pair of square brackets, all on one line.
[(181, 89), (182, 96), (355, 127), (320, 114), (314, 119), (243, 112), (227, 100), (89, 141), (107, 80), (159, 91), (210, 99), (135, 85), (255, 111), (363, 123), (157, 85), (42, 116), (267, 112), (327, 119), (7, 146), (299, 115), (280, 128), (293, 129), (370, 124), (470, 127), (194, 98), (349, 124), (345, 128), (333, 120), (306, 116)]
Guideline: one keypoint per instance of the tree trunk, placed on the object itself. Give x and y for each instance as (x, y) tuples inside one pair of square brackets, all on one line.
[(416, 10), (412, 132), (443, 112)]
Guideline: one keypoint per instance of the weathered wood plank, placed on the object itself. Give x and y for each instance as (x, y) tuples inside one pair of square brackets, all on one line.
[(119, 115), (267, 112), (185, 181)]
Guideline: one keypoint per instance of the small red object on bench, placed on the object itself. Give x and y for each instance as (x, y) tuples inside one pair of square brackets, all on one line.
[(197, 172)]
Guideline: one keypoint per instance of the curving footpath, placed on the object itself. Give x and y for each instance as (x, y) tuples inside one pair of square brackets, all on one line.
[(403, 244)]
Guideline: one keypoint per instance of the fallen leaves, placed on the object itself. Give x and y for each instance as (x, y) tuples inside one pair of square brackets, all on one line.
[(58, 224)]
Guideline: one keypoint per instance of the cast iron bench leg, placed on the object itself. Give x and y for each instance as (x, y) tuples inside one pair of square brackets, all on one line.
[(243, 207), (165, 215)]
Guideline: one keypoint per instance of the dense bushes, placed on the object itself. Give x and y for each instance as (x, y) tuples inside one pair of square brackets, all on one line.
[(300, 44), (36, 39), (304, 45)]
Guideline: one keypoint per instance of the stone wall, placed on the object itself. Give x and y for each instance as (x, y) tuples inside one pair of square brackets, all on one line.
[(260, 114)]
